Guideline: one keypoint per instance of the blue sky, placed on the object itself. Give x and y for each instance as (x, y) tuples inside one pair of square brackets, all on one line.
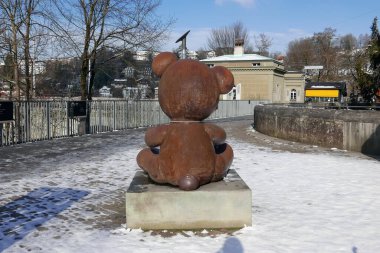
[(282, 20)]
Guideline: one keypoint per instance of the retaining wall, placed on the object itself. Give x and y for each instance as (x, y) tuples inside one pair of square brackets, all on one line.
[(355, 130)]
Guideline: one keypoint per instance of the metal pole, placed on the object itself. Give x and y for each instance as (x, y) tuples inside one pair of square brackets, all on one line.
[(184, 48)]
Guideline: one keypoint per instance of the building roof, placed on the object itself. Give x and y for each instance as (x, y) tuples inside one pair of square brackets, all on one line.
[(243, 57), (326, 85)]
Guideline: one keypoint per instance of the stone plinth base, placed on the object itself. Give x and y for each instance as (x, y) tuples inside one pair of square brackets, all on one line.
[(224, 204)]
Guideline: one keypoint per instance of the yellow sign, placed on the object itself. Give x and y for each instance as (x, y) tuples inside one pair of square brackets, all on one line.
[(322, 93)]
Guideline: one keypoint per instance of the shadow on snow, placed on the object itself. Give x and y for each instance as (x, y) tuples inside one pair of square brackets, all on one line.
[(232, 245), (21, 216)]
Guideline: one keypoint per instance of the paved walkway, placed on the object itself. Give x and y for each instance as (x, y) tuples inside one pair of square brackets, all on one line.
[(20, 160), (82, 180)]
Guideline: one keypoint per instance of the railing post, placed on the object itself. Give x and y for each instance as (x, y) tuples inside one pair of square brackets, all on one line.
[(114, 116), (24, 111), (48, 119), (127, 114), (87, 119), (100, 107), (137, 120), (26, 121), (68, 119)]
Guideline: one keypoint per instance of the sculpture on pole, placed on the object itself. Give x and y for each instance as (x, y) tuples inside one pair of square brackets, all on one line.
[(187, 152)]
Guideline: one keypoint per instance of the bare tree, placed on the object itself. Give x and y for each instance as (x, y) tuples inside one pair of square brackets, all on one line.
[(357, 64), (348, 42), (21, 36), (119, 25), (28, 10), (320, 49), (202, 53), (11, 19), (300, 53), (263, 43), (326, 53), (222, 40), (363, 40)]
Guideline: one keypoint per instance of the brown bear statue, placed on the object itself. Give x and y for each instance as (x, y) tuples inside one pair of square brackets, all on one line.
[(187, 152)]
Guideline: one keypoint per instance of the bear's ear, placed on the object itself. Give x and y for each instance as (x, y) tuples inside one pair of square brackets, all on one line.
[(162, 61), (225, 79)]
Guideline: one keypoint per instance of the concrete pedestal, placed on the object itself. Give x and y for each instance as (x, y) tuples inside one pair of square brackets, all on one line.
[(223, 204)]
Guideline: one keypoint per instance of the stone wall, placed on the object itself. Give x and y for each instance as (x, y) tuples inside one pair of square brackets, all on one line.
[(344, 129)]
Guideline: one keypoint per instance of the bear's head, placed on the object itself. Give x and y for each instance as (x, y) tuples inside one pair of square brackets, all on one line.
[(189, 90)]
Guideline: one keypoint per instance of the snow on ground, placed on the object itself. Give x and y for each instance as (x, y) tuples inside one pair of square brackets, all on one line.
[(302, 202)]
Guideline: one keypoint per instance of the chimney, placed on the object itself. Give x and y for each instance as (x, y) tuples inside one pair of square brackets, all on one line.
[(239, 47), (280, 58)]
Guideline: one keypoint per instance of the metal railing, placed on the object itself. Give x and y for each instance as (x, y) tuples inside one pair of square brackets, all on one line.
[(43, 120)]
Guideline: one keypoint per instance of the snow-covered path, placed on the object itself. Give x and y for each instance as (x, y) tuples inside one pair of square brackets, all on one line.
[(73, 200)]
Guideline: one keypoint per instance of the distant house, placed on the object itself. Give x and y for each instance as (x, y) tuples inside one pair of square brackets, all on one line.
[(105, 92), (119, 83), (3, 93), (259, 77), (192, 55), (140, 81), (211, 54), (36, 67), (135, 93), (143, 55)]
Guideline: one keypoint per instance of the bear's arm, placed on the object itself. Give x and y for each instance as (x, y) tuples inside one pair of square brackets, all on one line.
[(154, 136), (217, 134)]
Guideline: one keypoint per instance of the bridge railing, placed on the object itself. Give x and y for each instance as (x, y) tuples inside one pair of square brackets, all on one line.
[(43, 120)]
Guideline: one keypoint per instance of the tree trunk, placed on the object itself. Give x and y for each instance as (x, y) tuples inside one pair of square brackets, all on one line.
[(15, 61), (83, 76), (27, 69), (27, 51)]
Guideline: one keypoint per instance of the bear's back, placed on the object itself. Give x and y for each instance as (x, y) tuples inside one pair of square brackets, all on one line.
[(188, 149)]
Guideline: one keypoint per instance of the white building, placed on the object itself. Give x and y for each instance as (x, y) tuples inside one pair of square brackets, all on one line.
[(259, 77), (105, 92), (143, 55), (135, 93)]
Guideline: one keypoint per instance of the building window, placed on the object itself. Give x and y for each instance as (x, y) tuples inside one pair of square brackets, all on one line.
[(256, 64), (293, 95)]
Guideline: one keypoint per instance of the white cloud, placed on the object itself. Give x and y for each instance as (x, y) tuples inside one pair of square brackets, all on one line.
[(243, 3)]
